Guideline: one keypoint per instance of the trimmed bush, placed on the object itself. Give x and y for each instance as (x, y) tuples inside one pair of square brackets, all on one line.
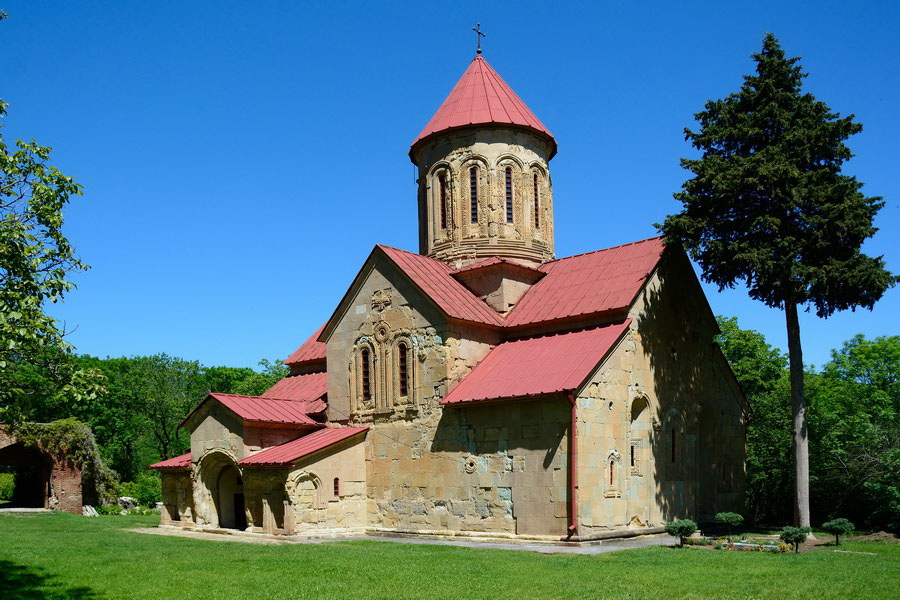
[(681, 529), (795, 536), (838, 527), (729, 520)]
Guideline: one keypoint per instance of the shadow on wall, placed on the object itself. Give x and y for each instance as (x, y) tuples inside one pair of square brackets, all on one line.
[(677, 339), (26, 583)]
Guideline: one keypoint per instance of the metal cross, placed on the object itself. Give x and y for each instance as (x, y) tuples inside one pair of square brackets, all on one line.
[(480, 35)]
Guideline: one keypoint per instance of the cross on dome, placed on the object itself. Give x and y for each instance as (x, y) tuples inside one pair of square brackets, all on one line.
[(478, 36)]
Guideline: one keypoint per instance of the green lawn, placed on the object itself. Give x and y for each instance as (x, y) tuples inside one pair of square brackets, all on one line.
[(64, 556)]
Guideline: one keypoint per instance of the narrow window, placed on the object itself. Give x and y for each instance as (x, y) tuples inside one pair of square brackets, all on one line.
[(442, 186), (632, 456), (509, 196), (612, 470), (673, 446), (401, 361), (366, 384), (473, 192), (337, 487), (537, 202)]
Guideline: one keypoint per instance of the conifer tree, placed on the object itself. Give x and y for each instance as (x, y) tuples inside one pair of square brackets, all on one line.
[(769, 207)]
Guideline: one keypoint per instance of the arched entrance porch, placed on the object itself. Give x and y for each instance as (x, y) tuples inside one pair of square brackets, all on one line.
[(222, 492)]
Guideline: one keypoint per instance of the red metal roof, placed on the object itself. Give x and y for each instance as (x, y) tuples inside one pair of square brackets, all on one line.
[(308, 387), (537, 366), (311, 351), (482, 97), (265, 410), (588, 283), (179, 462), (434, 278), (288, 452)]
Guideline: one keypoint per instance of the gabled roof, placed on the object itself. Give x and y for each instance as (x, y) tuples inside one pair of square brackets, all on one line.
[(538, 366), (288, 452), (586, 284), (481, 97), (434, 278), (179, 462), (253, 409), (309, 388), (312, 350), (496, 260)]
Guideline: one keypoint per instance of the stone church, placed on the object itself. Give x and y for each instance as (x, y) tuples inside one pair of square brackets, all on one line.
[(482, 387)]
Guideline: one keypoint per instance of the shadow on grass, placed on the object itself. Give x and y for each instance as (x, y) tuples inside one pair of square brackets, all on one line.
[(25, 583)]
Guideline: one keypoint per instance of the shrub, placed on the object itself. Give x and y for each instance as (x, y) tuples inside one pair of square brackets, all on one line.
[(7, 485), (109, 509), (681, 529), (795, 536), (836, 527), (730, 520), (146, 489)]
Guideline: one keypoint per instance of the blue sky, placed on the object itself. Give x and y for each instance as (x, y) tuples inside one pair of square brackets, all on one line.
[(240, 160)]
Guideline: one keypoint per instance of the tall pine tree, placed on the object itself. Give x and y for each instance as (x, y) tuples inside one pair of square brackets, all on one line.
[(769, 207)]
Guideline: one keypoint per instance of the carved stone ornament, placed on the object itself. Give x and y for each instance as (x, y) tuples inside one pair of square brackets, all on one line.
[(382, 331), (381, 299), (471, 464)]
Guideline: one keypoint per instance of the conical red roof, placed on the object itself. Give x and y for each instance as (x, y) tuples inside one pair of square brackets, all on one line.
[(481, 97)]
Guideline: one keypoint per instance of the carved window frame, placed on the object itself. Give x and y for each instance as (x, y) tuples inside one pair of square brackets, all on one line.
[(358, 367), (398, 342), (612, 474)]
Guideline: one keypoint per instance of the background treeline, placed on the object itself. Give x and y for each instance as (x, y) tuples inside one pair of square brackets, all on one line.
[(134, 405), (853, 406)]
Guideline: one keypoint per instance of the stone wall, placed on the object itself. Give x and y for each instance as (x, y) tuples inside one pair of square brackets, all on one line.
[(311, 489), (498, 468)]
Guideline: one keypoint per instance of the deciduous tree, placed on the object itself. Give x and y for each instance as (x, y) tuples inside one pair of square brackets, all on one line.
[(768, 206), (36, 261)]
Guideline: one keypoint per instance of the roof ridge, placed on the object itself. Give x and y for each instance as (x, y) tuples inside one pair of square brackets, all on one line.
[(634, 243)]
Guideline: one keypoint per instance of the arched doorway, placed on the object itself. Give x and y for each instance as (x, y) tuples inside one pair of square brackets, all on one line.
[(229, 496), (31, 470)]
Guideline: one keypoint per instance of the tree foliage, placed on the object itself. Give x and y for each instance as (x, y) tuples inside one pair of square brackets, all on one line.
[(36, 261), (768, 207), (855, 427)]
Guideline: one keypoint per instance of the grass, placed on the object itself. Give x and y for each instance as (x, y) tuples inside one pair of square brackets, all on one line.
[(64, 556)]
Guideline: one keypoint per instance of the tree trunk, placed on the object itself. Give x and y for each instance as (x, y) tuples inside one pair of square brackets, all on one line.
[(800, 430)]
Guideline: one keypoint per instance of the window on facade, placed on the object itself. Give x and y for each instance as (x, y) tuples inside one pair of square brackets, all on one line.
[(401, 363), (473, 192), (612, 472), (442, 192), (509, 196), (633, 462), (537, 202), (337, 486), (674, 442), (366, 382)]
